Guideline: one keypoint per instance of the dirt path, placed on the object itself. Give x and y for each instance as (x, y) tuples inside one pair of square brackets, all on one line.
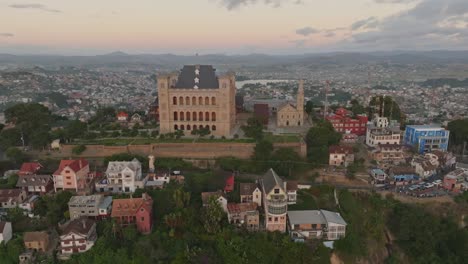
[(409, 199)]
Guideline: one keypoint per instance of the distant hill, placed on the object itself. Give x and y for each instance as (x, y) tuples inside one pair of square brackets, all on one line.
[(171, 60)]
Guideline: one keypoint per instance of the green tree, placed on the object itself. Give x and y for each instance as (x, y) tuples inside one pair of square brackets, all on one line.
[(357, 108), (253, 129), (10, 138), (75, 129), (181, 198), (318, 139), (213, 214), (16, 155), (285, 160), (309, 107), (263, 150)]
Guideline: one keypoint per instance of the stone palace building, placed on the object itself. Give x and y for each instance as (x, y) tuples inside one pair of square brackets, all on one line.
[(196, 98)]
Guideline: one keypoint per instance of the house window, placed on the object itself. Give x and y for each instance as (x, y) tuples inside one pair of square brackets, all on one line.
[(276, 219), (142, 219), (277, 191), (269, 219)]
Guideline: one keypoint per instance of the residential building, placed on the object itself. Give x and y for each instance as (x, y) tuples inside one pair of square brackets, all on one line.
[(340, 155), (382, 132), (250, 192), (6, 232), (122, 116), (426, 138), (72, 175), (94, 206), (349, 138), (456, 181), (292, 115), (36, 184), (244, 214), (403, 175), (122, 177), (378, 176), (343, 122), (197, 98), (219, 196), (134, 211), (316, 224), (291, 190), (275, 201), (388, 153), (30, 168), (11, 198), (27, 257), (78, 236), (37, 241), (425, 166)]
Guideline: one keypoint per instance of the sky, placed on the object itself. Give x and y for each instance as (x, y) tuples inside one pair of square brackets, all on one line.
[(88, 27)]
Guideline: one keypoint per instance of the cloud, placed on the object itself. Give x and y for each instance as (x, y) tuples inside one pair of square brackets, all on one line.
[(329, 34), (306, 31), (367, 23), (430, 23), (40, 7), (300, 43), (234, 4), (7, 35)]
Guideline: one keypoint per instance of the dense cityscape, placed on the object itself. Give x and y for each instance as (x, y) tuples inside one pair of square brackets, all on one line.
[(234, 131)]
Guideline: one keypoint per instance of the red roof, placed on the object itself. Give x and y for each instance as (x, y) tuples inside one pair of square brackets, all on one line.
[(340, 150), (130, 207), (30, 168), (229, 187), (122, 114), (75, 165), (235, 208)]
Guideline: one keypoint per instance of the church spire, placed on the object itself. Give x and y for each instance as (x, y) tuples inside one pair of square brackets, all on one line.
[(300, 97)]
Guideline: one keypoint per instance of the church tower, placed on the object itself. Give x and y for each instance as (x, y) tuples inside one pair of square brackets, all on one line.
[(300, 99)]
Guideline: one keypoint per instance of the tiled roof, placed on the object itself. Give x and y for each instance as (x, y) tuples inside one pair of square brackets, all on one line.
[(247, 188), (75, 165), (80, 226), (35, 236), (33, 180), (291, 186), (206, 77), (129, 207), (10, 193), (241, 207), (206, 195), (340, 150), (30, 168)]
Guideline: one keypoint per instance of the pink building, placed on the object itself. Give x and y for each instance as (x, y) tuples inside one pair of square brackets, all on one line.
[(72, 175), (134, 211), (344, 123)]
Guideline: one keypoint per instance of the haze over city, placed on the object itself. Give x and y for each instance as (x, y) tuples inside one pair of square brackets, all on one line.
[(230, 26)]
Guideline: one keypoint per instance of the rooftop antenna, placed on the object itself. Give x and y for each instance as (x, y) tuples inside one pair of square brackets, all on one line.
[(383, 106)]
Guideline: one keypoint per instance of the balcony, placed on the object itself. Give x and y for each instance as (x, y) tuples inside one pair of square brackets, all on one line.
[(277, 210)]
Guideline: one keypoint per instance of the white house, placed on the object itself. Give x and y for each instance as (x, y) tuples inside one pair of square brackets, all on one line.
[(78, 236), (6, 232), (220, 197), (122, 176), (316, 224), (250, 192)]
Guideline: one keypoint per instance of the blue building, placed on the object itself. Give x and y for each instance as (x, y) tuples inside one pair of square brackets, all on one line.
[(426, 138)]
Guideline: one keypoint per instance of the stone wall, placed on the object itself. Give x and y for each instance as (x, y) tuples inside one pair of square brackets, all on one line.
[(180, 150)]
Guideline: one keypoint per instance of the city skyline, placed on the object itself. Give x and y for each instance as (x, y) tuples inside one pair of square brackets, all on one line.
[(231, 26)]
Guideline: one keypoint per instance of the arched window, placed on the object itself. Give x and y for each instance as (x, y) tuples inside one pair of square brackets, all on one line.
[(187, 100), (207, 116), (174, 100), (207, 127), (200, 116), (182, 127), (175, 116), (181, 100), (213, 116), (213, 100), (187, 116), (194, 100), (200, 100), (188, 127), (194, 116), (176, 127), (182, 116), (213, 128), (207, 100)]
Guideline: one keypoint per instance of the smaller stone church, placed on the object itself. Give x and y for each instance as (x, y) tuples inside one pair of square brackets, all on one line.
[(290, 115)]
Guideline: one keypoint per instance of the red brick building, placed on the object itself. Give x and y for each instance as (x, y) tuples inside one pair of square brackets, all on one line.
[(343, 122), (134, 211)]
